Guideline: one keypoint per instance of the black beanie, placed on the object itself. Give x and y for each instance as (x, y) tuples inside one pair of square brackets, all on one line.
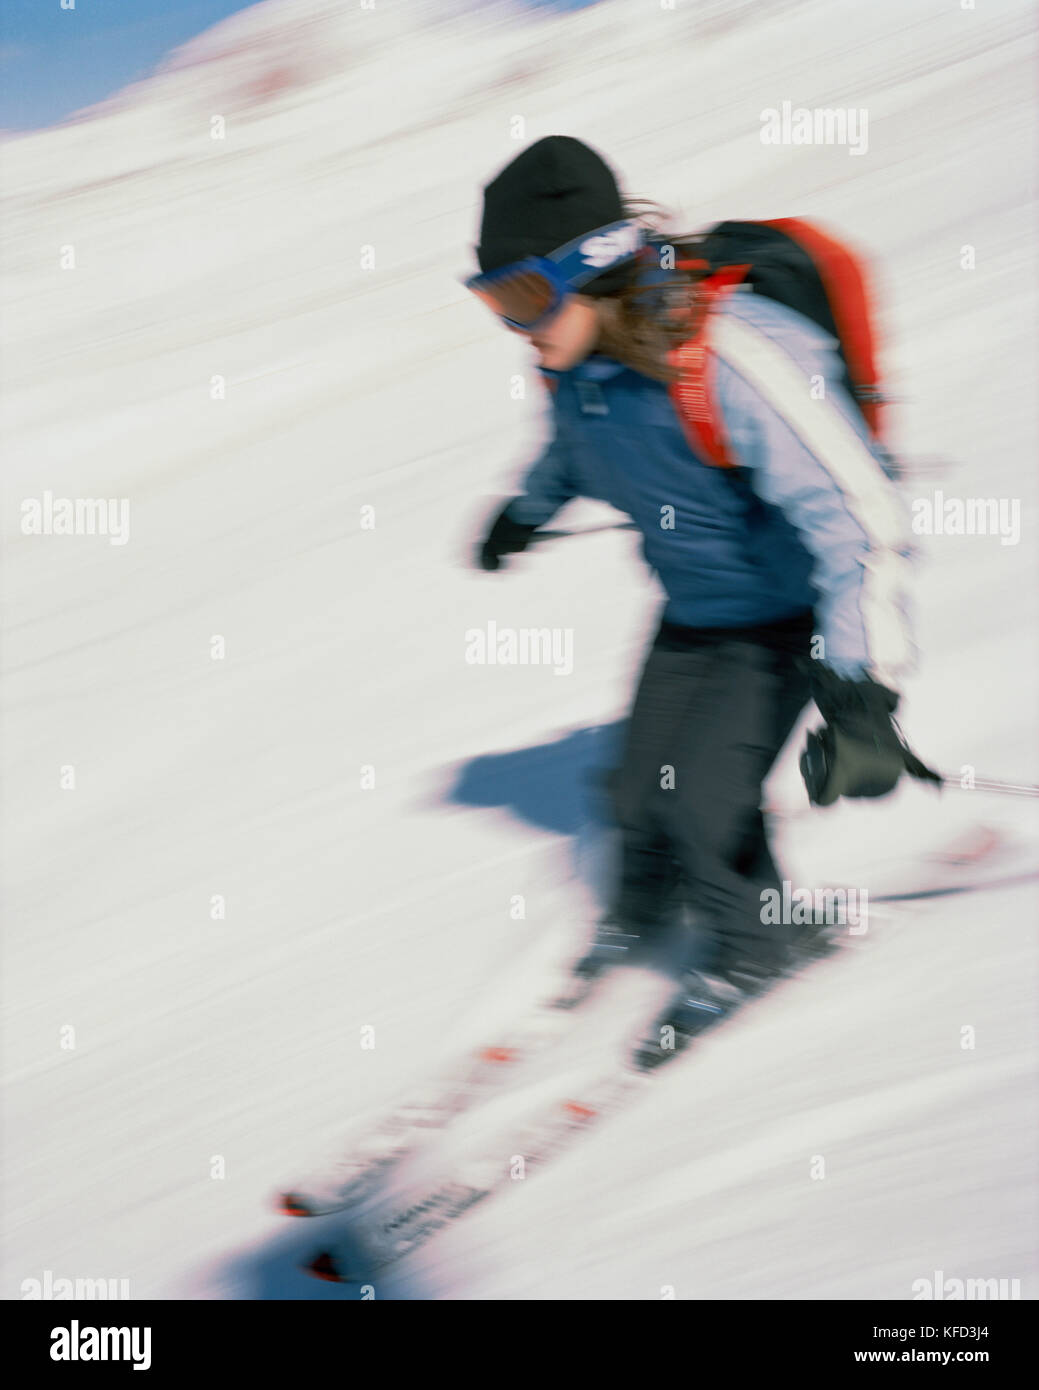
[(553, 192)]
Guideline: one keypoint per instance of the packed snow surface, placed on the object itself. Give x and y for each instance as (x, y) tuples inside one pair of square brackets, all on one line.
[(232, 301)]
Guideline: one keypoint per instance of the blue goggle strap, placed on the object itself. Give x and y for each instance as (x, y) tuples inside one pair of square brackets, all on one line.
[(579, 261)]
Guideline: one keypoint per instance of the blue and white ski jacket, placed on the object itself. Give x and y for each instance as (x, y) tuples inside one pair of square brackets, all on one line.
[(807, 520)]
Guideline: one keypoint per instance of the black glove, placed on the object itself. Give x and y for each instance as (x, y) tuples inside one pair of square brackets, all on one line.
[(860, 750), (506, 537)]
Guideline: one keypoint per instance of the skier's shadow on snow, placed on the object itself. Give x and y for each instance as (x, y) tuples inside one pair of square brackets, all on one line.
[(555, 786), (560, 786), (563, 786)]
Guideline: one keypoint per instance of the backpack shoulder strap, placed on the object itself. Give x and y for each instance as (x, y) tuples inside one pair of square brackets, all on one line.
[(832, 288), (693, 393), (847, 289)]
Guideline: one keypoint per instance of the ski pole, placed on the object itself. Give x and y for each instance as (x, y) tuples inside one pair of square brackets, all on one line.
[(582, 531), (990, 784)]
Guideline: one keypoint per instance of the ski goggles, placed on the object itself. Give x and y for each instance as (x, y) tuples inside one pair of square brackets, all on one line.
[(525, 293)]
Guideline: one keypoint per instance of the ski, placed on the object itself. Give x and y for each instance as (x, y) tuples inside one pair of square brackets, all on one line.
[(951, 890), (397, 1229), (980, 858), (414, 1220), (356, 1174), (964, 865)]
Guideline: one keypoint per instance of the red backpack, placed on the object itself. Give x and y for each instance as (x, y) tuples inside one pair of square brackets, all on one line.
[(797, 264)]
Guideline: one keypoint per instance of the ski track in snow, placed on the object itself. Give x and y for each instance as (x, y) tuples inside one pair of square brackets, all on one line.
[(391, 907)]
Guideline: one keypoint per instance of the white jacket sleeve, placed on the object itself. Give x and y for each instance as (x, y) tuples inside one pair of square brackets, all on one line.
[(811, 458)]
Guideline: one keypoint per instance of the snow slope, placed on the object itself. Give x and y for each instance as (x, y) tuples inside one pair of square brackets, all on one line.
[(349, 133)]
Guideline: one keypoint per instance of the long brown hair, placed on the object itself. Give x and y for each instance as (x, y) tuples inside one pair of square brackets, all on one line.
[(641, 325)]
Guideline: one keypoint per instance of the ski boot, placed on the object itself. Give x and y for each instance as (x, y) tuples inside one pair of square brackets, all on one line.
[(704, 999), (614, 943), (700, 1003), (815, 940)]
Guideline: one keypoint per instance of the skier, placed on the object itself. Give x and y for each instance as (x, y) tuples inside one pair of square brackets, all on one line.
[(805, 535)]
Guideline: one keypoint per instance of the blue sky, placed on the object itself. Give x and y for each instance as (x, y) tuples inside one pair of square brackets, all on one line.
[(55, 61)]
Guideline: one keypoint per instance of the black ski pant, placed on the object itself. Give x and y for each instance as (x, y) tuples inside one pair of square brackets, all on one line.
[(711, 714)]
